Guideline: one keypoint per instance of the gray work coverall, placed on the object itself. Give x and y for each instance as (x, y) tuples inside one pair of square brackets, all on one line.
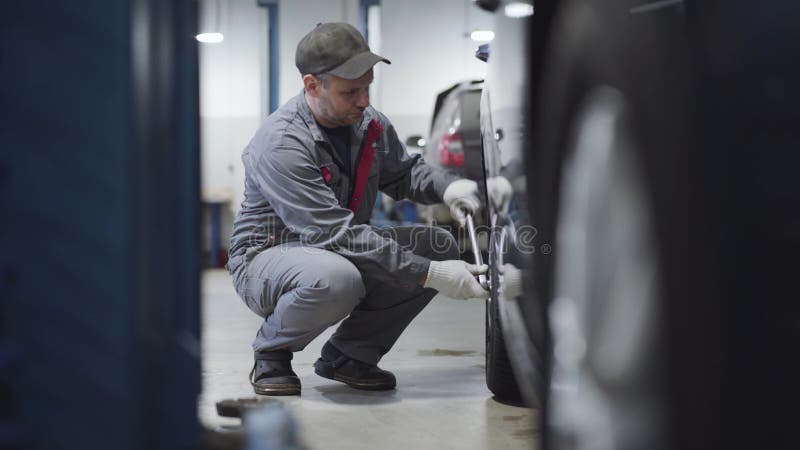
[(304, 261)]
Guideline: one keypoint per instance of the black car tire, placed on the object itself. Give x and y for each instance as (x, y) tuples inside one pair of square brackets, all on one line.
[(604, 52), (642, 57), (499, 373)]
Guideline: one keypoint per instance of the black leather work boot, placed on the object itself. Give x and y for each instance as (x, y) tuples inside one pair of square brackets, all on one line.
[(335, 365), (272, 374)]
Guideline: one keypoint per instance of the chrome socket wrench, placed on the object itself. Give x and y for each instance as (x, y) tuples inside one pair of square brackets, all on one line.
[(476, 250)]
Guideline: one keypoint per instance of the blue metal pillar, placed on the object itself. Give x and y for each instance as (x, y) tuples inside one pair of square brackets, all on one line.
[(273, 57), (99, 188)]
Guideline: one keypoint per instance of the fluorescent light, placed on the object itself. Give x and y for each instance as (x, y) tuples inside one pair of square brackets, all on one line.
[(518, 9), (210, 38), (482, 35)]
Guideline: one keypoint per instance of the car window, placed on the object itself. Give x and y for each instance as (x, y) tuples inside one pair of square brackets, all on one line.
[(470, 110)]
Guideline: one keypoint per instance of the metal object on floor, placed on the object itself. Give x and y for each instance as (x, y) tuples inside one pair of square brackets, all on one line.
[(267, 423), (238, 407)]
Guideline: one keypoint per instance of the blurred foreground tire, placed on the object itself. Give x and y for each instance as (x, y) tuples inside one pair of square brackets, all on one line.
[(608, 188)]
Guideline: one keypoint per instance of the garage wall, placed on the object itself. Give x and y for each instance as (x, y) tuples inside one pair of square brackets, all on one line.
[(232, 90), (426, 41), (298, 17), (233, 98), (429, 51)]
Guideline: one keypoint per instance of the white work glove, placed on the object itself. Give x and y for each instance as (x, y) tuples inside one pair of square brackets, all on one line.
[(456, 279), (461, 195), (499, 191), (512, 281)]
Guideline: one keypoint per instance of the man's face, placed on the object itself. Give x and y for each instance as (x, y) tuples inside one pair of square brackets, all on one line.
[(342, 102)]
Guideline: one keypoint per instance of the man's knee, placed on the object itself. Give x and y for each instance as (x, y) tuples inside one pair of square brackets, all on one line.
[(329, 293), (344, 289)]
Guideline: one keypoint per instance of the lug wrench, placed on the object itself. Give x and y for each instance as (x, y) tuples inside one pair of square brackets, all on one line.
[(476, 251)]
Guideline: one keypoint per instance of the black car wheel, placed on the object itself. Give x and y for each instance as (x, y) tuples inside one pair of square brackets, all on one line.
[(605, 315), (499, 373), (605, 189)]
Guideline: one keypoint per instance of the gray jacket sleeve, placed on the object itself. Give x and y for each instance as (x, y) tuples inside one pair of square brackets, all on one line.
[(406, 176), (290, 180)]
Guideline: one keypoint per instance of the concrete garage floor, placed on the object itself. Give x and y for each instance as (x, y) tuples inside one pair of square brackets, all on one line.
[(441, 401)]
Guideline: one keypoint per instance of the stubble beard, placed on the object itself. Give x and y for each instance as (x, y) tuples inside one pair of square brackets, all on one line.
[(326, 111)]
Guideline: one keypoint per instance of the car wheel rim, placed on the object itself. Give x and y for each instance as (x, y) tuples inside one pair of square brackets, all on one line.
[(604, 311)]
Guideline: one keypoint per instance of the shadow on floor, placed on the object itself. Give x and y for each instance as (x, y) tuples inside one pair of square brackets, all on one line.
[(420, 383), (518, 403), (346, 395)]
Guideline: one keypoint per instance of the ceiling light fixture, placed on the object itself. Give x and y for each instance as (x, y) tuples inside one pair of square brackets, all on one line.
[(212, 37), (516, 10), (482, 35)]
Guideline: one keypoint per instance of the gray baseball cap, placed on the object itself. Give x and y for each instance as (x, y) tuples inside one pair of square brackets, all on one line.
[(336, 48)]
